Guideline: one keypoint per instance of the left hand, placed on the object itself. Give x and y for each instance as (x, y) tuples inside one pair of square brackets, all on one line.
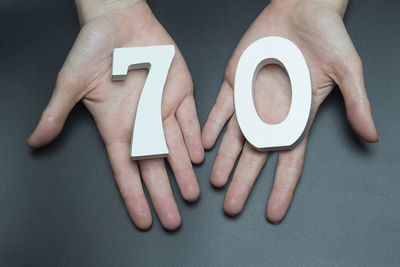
[(318, 30)]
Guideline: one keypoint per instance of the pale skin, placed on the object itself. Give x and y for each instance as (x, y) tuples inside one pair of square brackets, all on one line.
[(317, 28), (86, 76)]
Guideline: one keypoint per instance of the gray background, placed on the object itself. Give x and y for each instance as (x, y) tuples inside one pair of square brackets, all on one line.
[(60, 206)]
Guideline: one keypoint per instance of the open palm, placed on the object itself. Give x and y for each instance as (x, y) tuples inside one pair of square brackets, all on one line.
[(86, 75), (320, 34)]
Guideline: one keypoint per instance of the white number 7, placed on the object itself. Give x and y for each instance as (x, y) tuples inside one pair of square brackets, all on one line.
[(148, 140)]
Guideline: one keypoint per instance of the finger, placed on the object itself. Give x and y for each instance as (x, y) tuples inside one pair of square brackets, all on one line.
[(220, 113), (190, 126), (288, 172), (351, 83), (155, 177), (179, 160), (64, 97), (127, 177), (231, 145), (249, 166)]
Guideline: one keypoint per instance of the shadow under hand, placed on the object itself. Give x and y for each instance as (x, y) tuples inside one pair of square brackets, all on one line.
[(335, 102)]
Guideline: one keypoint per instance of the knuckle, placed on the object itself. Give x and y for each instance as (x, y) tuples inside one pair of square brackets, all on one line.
[(51, 118), (353, 64)]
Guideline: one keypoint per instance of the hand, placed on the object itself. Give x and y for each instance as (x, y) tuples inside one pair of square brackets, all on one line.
[(86, 76), (316, 27)]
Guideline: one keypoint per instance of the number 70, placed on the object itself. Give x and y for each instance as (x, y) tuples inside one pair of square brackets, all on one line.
[(148, 140)]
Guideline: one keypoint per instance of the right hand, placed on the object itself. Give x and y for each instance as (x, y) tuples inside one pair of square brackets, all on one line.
[(86, 76)]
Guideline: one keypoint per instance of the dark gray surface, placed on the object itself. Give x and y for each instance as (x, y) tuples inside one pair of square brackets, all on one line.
[(60, 206)]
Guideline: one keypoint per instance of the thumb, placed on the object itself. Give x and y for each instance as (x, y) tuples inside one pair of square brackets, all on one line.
[(64, 97), (351, 83)]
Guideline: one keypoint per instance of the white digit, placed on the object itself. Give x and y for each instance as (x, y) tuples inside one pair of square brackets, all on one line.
[(148, 140), (263, 136)]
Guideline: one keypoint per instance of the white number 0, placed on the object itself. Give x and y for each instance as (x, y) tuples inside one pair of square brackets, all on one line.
[(148, 140), (263, 136)]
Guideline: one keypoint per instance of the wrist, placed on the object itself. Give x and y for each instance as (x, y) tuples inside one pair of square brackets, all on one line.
[(338, 6), (92, 9)]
